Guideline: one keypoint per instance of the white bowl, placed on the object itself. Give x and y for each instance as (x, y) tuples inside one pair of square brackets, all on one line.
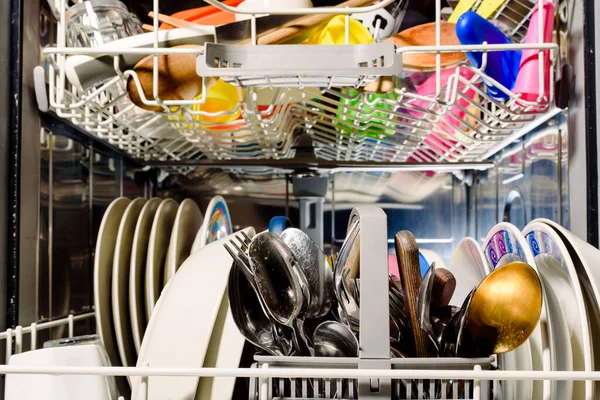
[(61, 387)]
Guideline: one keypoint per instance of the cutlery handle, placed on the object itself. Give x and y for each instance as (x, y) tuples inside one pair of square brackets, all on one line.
[(407, 252), (444, 284)]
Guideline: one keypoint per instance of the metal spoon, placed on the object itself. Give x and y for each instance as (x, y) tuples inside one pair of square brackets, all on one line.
[(250, 319), (315, 267), (440, 317), (515, 292), (346, 269), (424, 300), (280, 283), (480, 329), (332, 339)]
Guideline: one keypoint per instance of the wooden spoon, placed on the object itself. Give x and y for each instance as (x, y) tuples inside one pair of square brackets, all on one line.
[(177, 79), (407, 252)]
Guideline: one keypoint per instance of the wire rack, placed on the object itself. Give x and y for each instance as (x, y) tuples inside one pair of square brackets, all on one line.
[(458, 122)]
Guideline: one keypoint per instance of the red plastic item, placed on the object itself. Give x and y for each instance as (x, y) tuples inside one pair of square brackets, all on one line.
[(209, 15)]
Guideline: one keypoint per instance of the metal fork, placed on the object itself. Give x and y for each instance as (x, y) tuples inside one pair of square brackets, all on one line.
[(240, 253)]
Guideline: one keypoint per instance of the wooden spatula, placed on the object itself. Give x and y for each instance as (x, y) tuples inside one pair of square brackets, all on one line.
[(407, 252)]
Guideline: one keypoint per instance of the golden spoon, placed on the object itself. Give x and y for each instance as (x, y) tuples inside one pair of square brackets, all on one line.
[(505, 309)]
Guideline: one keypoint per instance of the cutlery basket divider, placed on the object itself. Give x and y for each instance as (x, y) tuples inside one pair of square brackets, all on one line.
[(374, 339)]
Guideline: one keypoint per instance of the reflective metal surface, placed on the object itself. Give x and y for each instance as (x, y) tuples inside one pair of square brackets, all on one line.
[(531, 180)]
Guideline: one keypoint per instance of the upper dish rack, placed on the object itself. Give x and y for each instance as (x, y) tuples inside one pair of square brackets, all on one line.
[(457, 121)]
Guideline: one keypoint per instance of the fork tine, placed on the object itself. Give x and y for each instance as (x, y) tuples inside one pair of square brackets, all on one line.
[(232, 253), (245, 235), (242, 243)]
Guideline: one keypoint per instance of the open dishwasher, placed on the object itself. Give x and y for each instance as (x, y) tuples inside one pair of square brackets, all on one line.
[(157, 157)]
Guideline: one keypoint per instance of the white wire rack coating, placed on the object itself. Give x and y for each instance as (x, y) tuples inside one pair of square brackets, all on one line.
[(459, 121)]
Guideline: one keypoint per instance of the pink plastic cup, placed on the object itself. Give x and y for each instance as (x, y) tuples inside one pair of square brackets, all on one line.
[(528, 83)]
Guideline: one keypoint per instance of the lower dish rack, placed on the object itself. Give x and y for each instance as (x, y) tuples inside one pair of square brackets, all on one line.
[(398, 389)]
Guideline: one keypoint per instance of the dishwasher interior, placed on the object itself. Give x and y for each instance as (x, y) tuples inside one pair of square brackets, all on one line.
[(304, 141)]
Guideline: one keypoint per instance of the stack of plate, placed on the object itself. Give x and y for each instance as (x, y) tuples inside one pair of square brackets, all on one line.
[(571, 302), (141, 244)]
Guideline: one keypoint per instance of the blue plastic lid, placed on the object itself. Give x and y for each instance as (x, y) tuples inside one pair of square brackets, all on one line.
[(503, 66), (278, 224), (424, 264)]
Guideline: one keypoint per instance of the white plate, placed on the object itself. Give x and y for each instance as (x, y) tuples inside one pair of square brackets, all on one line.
[(103, 267), (160, 236), (224, 351), (179, 332), (585, 260), (561, 352), (139, 253), (187, 223), (504, 244), (216, 225), (120, 282), (469, 267), (85, 71), (556, 266)]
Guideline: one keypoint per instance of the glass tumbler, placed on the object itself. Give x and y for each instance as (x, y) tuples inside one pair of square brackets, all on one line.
[(93, 23)]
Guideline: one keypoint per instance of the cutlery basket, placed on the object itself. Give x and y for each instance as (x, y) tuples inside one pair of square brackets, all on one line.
[(397, 389), (374, 345)]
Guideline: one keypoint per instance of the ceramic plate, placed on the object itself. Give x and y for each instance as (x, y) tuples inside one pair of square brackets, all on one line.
[(585, 259), (224, 351), (189, 306), (160, 235), (556, 267), (505, 244), (187, 223), (216, 225), (139, 253), (120, 282), (469, 267), (103, 267), (559, 336)]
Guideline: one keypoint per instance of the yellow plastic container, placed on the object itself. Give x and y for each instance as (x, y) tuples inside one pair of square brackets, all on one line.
[(219, 97), (334, 32)]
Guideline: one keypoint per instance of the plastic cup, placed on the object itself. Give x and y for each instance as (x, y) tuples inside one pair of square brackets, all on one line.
[(528, 82)]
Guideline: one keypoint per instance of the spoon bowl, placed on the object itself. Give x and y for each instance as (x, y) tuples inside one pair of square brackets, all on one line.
[(333, 339), (505, 308), (313, 263), (249, 317)]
